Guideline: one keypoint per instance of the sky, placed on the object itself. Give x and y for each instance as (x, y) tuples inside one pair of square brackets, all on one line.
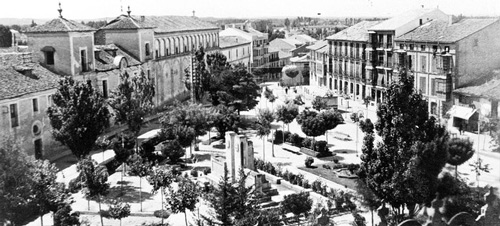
[(92, 9)]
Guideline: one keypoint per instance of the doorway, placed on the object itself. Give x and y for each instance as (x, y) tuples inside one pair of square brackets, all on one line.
[(38, 148)]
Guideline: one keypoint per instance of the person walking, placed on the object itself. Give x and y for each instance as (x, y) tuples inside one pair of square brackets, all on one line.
[(460, 128)]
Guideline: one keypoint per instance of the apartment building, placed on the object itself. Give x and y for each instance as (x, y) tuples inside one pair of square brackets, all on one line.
[(380, 49), (347, 60), (236, 50), (318, 66), (444, 56)]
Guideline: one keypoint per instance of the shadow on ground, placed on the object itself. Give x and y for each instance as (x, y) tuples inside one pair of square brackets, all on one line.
[(344, 151), (126, 193)]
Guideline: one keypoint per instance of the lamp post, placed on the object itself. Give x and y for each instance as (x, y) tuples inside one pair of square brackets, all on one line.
[(357, 125)]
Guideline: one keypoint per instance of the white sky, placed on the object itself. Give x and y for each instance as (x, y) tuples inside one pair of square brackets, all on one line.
[(90, 9)]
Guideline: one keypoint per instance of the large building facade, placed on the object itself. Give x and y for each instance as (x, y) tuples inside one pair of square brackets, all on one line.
[(236, 50)]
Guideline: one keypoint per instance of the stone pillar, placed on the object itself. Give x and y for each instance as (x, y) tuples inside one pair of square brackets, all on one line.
[(249, 156), (230, 139), (238, 156)]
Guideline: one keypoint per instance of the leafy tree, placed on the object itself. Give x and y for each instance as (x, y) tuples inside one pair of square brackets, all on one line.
[(225, 119), (263, 124), (287, 113), (118, 211), (332, 119), (366, 126), (64, 217), (5, 36), (79, 115), (172, 148), (403, 168), (33, 23), (297, 203), (94, 180), (141, 168), (184, 197), (287, 23), (237, 88), (460, 151), (369, 199), (319, 103), (271, 99), (221, 199), (132, 100), (312, 124), (160, 178)]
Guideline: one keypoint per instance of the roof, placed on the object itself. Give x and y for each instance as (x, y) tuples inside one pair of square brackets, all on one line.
[(357, 32), (161, 24), (60, 25), (293, 42), (490, 90), (304, 58), (461, 112), (318, 45), (235, 31), (323, 49), (402, 19), (258, 33), (441, 31), (14, 84), (227, 41), (105, 60), (283, 54), (303, 38)]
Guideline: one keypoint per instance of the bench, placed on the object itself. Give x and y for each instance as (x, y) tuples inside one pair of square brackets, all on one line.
[(289, 147)]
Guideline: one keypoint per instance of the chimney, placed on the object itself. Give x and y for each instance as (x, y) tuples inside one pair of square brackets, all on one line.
[(450, 20), (143, 18)]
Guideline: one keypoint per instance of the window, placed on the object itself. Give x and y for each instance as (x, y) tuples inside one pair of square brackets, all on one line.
[(433, 87), (49, 100), (83, 59), (35, 105), (423, 84), (105, 88), (243, 49), (422, 48), (14, 118), (49, 58), (236, 53), (423, 63), (401, 46), (147, 49), (412, 46)]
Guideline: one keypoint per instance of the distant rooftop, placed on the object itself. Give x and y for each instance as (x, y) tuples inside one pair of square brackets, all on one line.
[(318, 45), (402, 19), (14, 84), (357, 32), (161, 24), (303, 38), (227, 41), (60, 25), (442, 31)]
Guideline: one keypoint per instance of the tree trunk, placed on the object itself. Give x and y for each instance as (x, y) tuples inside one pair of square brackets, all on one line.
[(185, 217), (161, 191), (272, 146), (456, 171), (41, 218), (264, 148), (100, 215), (371, 210), (283, 134), (88, 203), (140, 191)]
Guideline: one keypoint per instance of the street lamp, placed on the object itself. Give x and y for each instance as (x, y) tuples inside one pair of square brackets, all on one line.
[(358, 116)]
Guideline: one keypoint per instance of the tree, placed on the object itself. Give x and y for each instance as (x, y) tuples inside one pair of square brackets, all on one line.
[(238, 89), (33, 23), (141, 168), (312, 124), (297, 203), (118, 211), (263, 124), (319, 103), (64, 217), (287, 23), (460, 151), (94, 180), (225, 119), (287, 113), (184, 197), (271, 99), (5, 36), (403, 168), (132, 100), (221, 199), (366, 126), (79, 115), (160, 178), (332, 118), (369, 199)]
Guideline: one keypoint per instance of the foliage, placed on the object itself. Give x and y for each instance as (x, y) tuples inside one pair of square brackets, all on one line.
[(221, 199), (287, 113), (133, 100), (404, 167), (319, 103), (358, 219), (94, 177), (160, 178), (332, 118), (460, 151), (123, 146), (118, 211), (226, 119), (278, 137), (78, 116), (311, 124), (295, 140), (321, 146), (366, 126), (5, 36), (309, 161), (307, 143), (263, 123), (64, 217), (297, 203), (292, 71), (184, 197), (298, 100), (191, 115), (139, 166)]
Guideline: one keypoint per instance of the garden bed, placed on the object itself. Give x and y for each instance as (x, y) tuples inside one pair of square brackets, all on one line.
[(331, 175)]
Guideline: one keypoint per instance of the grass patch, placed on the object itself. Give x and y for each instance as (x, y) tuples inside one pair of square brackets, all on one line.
[(330, 175)]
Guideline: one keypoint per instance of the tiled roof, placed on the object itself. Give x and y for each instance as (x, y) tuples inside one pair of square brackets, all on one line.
[(357, 32), (303, 38), (441, 31), (283, 54), (60, 25), (161, 24), (227, 41), (318, 45), (402, 19), (489, 90), (14, 84), (105, 61), (293, 42)]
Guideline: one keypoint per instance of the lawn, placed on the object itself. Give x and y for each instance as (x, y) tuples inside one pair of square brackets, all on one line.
[(329, 174)]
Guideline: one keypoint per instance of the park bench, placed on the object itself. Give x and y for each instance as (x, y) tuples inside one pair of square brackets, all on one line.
[(289, 147)]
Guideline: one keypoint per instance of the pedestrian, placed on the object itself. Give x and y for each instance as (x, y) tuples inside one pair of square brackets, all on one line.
[(460, 129), (286, 90)]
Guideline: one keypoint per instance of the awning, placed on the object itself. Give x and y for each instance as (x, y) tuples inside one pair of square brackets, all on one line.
[(461, 112)]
